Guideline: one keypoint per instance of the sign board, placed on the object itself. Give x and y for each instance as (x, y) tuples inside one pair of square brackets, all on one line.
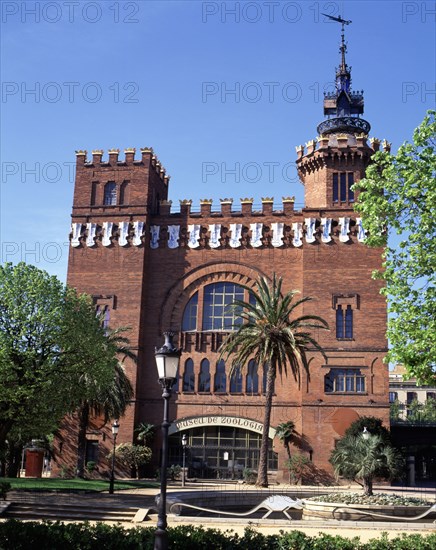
[(214, 420)]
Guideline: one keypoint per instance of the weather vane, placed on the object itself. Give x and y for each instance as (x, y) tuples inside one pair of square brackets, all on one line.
[(338, 19), (343, 47)]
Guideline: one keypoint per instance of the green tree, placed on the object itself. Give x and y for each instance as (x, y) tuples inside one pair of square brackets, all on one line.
[(373, 425), (398, 196), (144, 432), (132, 456), (271, 335), (284, 432), (362, 459), (49, 337), (109, 402)]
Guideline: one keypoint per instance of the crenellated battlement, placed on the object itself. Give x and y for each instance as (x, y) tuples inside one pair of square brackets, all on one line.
[(341, 145), (226, 210), (148, 158)]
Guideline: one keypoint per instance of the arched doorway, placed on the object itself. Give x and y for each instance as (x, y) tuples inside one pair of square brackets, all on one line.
[(219, 451)]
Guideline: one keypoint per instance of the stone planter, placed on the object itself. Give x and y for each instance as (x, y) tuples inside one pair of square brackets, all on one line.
[(339, 511)]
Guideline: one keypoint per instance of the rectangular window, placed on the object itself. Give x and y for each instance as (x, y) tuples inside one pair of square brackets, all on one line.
[(393, 396), (343, 187), (350, 183), (344, 381), (349, 322), (339, 322), (342, 183)]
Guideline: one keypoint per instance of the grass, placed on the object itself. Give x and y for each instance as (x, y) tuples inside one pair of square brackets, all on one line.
[(57, 484)]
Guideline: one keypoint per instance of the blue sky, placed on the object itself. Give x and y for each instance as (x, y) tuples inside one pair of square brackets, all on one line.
[(161, 73)]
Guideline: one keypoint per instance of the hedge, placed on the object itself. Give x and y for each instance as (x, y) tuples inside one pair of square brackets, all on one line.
[(17, 535)]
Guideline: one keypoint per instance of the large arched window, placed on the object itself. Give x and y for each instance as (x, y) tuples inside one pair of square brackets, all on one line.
[(220, 377), (204, 376), (252, 377), (236, 381), (188, 376), (217, 313), (110, 194)]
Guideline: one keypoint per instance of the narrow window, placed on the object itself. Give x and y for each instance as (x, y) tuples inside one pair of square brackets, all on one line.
[(335, 188), (204, 376), (220, 378), (339, 322), (252, 378), (110, 194), (124, 192), (236, 381), (343, 187), (348, 322), (189, 322), (350, 183), (188, 376), (106, 317), (94, 193), (393, 396)]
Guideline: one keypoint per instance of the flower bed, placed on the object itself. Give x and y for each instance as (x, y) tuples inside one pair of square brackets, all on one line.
[(357, 506)]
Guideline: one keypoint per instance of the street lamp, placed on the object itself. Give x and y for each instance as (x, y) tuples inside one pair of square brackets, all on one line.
[(115, 428), (167, 361), (184, 443), (365, 434)]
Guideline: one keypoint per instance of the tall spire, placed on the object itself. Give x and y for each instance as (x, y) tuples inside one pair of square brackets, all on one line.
[(345, 106)]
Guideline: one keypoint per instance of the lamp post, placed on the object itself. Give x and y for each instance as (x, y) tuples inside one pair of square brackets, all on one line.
[(167, 361), (365, 434), (115, 428), (184, 443)]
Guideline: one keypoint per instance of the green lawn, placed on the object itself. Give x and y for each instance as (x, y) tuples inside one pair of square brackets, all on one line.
[(56, 484)]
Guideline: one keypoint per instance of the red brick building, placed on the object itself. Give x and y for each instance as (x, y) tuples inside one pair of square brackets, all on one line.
[(154, 269)]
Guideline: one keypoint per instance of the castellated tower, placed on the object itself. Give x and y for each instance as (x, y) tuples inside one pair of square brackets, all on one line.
[(154, 269)]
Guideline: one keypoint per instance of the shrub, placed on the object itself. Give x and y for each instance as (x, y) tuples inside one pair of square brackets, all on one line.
[(249, 476), (133, 456), (17, 535), (298, 466)]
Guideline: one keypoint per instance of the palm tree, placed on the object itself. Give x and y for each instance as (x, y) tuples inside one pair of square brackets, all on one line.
[(284, 432), (111, 401), (144, 431), (365, 458), (270, 335)]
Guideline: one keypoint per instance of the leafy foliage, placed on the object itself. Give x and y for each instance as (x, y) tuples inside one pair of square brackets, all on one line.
[(272, 335), (359, 458), (17, 535), (145, 432), (110, 401), (298, 465), (421, 412), (373, 424), (133, 456), (399, 194), (284, 432), (49, 337)]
